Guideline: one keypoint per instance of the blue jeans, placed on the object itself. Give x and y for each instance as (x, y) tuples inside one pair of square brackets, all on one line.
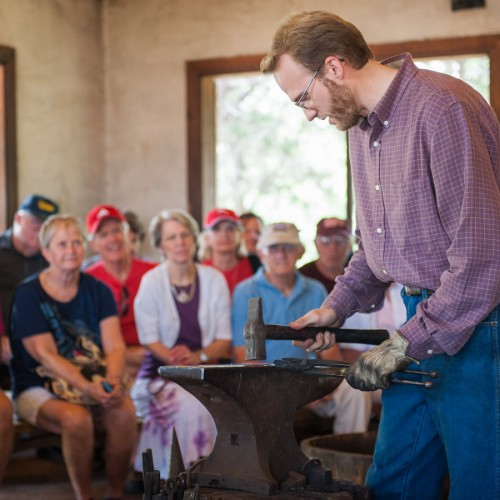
[(452, 428)]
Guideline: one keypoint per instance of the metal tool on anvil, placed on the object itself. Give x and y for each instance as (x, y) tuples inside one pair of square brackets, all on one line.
[(331, 368), (257, 332)]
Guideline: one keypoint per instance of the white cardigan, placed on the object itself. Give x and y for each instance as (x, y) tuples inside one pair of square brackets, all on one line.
[(156, 315)]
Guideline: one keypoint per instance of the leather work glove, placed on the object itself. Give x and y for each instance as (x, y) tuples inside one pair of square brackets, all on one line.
[(373, 369)]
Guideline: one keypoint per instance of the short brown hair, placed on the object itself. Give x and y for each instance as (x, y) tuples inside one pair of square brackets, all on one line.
[(310, 37)]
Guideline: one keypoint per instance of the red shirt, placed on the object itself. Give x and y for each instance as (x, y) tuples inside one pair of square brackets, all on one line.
[(124, 293), (241, 271)]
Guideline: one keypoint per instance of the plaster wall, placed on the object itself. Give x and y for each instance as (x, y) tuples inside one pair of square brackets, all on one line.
[(59, 88), (146, 46)]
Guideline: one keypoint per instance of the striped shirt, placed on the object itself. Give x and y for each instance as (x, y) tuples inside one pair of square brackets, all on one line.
[(426, 175)]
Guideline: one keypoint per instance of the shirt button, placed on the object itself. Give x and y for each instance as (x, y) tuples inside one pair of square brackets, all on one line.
[(373, 306), (376, 144), (384, 271), (430, 351), (379, 230), (386, 123), (377, 187)]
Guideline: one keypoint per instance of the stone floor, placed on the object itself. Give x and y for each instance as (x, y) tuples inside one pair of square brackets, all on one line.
[(29, 477)]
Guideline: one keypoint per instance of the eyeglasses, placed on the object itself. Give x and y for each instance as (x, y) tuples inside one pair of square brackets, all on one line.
[(337, 240), (124, 301), (301, 102), (280, 247)]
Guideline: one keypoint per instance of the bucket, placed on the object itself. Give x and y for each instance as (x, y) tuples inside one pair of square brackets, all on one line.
[(347, 455)]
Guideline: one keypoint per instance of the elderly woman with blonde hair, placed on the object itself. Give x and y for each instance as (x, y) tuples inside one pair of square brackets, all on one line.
[(68, 357), (182, 312)]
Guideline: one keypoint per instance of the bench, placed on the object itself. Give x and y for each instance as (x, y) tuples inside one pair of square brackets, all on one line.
[(28, 437)]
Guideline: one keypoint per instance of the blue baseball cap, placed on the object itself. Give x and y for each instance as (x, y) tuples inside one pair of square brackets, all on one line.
[(39, 206)]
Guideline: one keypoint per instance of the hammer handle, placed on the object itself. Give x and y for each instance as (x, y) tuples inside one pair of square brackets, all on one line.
[(347, 335)]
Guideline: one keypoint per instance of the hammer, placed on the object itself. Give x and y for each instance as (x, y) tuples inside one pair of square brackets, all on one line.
[(257, 332)]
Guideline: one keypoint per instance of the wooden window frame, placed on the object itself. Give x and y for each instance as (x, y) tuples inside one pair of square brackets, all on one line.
[(197, 70), (9, 160)]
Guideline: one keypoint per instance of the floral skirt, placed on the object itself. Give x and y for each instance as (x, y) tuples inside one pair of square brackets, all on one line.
[(163, 405)]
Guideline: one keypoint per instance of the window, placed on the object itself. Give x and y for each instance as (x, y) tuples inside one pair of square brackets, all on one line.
[(202, 92), (473, 69), (270, 160)]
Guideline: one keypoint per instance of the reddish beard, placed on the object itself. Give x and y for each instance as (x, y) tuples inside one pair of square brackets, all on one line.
[(343, 110)]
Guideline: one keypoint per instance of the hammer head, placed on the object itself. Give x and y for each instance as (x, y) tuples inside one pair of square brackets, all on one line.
[(255, 332)]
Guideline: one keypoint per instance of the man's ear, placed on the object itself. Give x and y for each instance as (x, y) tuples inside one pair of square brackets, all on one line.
[(334, 67)]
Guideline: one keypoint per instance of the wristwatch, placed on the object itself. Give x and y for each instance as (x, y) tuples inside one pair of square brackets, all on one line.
[(203, 357)]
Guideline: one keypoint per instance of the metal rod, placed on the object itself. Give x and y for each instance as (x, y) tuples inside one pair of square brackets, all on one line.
[(330, 368), (343, 364), (427, 384), (432, 374)]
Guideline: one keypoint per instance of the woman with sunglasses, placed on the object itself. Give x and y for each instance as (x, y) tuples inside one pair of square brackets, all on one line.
[(121, 271)]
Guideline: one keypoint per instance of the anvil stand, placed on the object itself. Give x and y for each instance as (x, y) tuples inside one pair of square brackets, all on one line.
[(255, 450)]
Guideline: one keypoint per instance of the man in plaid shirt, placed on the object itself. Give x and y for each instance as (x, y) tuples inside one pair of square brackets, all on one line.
[(425, 151)]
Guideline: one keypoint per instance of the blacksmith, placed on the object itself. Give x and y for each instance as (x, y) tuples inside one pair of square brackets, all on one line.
[(425, 152)]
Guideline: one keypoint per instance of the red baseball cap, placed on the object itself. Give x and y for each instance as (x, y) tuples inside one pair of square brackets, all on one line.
[(99, 214), (218, 215)]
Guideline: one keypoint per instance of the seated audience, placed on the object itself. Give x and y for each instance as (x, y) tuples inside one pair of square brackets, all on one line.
[(334, 245), (221, 247), (6, 423), (121, 271), (286, 294), (68, 357), (252, 227), (182, 311)]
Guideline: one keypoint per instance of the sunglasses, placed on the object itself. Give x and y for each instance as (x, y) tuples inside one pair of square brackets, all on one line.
[(124, 301)]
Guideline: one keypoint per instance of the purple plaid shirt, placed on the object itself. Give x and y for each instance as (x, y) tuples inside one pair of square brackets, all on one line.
[(426, 175)]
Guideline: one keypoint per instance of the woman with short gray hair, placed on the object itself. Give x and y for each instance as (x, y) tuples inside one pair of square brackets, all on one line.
[(182, 312)]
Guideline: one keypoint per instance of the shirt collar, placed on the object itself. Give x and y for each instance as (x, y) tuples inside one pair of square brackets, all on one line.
[(298, 287), (384, 109)]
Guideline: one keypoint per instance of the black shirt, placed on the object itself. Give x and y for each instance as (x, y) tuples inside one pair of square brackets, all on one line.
[(14, 267)]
